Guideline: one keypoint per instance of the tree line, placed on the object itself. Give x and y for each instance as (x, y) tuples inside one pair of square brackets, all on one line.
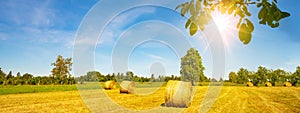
[(263, 75), (95, 76), (91, 76), (60, 74), (29, 79), (191, 70)]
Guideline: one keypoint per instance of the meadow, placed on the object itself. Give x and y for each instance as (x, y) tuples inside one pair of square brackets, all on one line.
[(147, 99)]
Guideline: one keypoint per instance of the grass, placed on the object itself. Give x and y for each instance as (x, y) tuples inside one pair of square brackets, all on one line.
[(150, 99), (34, 88), (20, 89)]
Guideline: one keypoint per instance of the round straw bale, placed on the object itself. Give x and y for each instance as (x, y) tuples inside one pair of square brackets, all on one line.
[(287, 84), (127, 87), (110, 85), (268, 84), (249, 84), (178, 94)]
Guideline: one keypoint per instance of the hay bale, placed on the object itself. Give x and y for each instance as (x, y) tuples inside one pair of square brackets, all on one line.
[(287, 84), (268, 84), (110, 85), (249, 84), (127, 87), (178, 94)]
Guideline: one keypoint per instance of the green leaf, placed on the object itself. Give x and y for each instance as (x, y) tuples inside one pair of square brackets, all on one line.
[(285, 14), (205, 3), (181, 5), (258, 5), (193, 29), (184, 9), (239, 12), (270, 20), (192, 9), (246, 11), (239, 23), (250, 25), (275, 24), (198, 5), (277, 15), (262, 13), (262, 22), (244, 34), (187, 24)]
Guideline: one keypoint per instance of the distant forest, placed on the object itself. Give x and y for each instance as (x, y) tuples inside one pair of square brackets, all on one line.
[(263, 75), (91, 76), (242, 76)]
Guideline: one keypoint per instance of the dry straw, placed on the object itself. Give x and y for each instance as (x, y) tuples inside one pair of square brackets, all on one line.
[(249, 84), (287, 84), (127, 87), (178, 94), (110, 85), (268, 84)]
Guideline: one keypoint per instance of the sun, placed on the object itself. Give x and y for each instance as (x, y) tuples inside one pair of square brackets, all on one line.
[(226, 25), (224, 22), (221, 23)]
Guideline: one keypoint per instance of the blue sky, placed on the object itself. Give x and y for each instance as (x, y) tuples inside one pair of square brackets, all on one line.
[(33, 33)]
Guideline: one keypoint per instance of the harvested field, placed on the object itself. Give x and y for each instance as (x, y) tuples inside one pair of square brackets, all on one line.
[(230, 99)]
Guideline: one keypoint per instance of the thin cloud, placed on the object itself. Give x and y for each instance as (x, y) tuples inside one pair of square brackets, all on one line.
[(130, 16), (34, 13), (155, 57), (121, 22)]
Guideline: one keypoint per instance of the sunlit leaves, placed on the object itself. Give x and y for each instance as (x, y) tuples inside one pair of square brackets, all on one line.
[(184, 8), (193, 29), (250, 25), (188, 23), (245, 31), (270, 14), (200, 10)]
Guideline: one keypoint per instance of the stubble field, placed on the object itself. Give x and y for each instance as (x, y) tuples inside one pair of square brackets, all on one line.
[(230, 99)]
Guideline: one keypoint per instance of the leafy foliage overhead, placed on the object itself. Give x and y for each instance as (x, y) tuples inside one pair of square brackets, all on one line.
[(200, 14)]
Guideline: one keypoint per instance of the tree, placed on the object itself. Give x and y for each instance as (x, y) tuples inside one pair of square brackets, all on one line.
[(18, 79), (242, 76), (9, 78), (191, 67), (2, 77), (101, 78), (113, 77), (129, 76), (272, 77), (62, 68), (221, 79), (232, 77), (200, 14), (254, 78), (295, 76), (27, 77), (213, 80), (152, 78), (93, 76), (262, 73), (281, 75)]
